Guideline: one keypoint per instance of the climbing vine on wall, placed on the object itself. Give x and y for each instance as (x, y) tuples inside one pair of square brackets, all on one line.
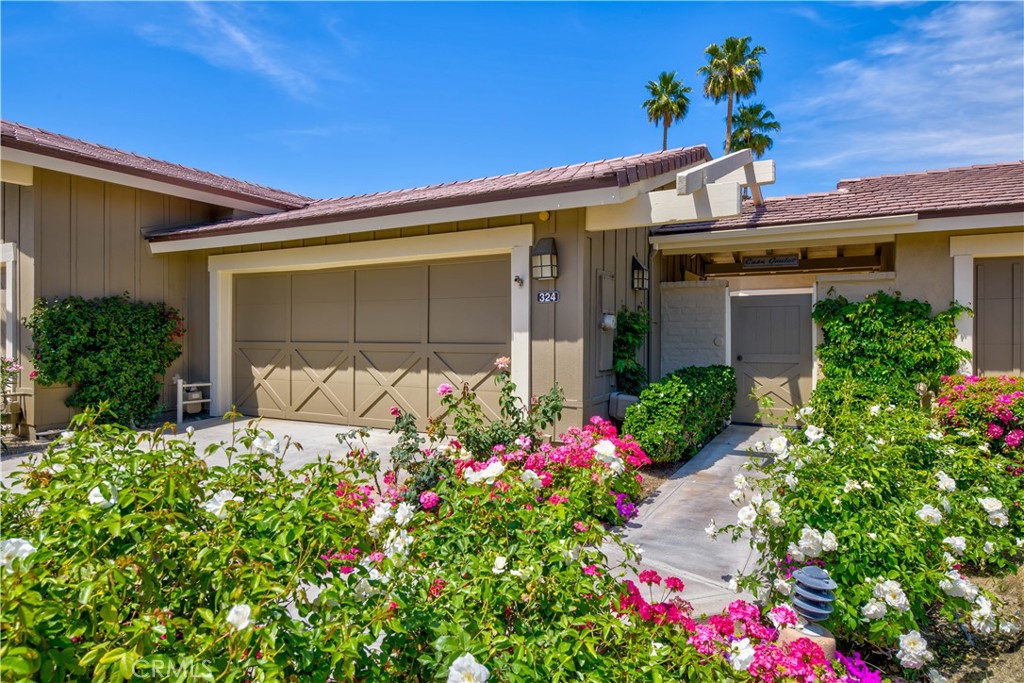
[(631, 328), (110, 349)]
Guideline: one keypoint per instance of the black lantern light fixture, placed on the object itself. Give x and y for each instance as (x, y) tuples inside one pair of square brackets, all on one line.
[(544, 260), (641, 276)]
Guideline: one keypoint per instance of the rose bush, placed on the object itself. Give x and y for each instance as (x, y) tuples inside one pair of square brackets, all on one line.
[(127, 557), (896, 511), (990, 409)]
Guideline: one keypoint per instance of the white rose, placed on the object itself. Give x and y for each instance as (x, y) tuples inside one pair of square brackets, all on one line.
[(403, 514), (913, 652), (239, 617), (804, 412), (874, 609), (989, 547), (991, 504), (794, 551), (814, 433), (711, 529), (530, 478), (958, 544), (734, 585), (740, 482), (105, 501), (397, 543), (998, 518), (216, 506), (605, 449), (829, 543), (810, 542), (466, 669), (791, 480), (778, 445), (935, 677), (265, 445), (782, 586), (929, 514), (381, 514), (851, 485), (945, 482), (12, 549), (736, 496), (499, 564), (934, 435), (875, 410), (746, 516)]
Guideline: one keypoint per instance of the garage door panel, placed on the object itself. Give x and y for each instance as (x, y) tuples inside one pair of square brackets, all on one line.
[(263, 371), (488, 278), (322, 383), (321, 306), (458, 367), (469, 319), (390, 321), (261, 308)]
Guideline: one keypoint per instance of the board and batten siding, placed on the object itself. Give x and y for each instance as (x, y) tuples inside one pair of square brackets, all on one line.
[(77, 236), (608, 258)]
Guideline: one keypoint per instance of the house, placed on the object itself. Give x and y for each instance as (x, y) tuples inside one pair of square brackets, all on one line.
[(335, 310), (939, 236)]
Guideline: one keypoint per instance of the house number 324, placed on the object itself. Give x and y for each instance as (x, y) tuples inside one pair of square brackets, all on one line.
[(547, 297)]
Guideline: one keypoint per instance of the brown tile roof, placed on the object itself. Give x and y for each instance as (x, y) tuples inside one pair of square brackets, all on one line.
[(608, 173), (18, 136), (989, 188)]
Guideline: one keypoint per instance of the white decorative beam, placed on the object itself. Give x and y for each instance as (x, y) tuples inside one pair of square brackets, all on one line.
[(690, 180), (15, 173), (719, 200)]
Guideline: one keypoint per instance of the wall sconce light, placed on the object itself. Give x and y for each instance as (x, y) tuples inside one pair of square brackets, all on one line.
[(641, 276), (544, 260)]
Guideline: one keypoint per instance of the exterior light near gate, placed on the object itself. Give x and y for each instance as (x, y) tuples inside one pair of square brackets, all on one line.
[(641, 276), (544, 260), (813, 595)]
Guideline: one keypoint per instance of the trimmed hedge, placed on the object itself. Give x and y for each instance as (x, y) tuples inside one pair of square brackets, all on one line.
[(676, 416)]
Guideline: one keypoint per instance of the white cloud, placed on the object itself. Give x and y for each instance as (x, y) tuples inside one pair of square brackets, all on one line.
[(945, 89), (224, 37)]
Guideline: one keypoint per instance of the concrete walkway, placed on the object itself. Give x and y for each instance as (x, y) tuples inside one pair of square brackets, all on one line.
[(670, 526)]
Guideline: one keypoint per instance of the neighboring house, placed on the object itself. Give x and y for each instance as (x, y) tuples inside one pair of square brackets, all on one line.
[(336, 310), (938, 236)]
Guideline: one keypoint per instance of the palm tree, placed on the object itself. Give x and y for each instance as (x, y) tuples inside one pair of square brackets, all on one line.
[(732, 73), (751, 126), (668, 103)]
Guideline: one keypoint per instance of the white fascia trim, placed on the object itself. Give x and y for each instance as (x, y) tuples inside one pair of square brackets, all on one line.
[(725, 240), (507, 207), (513, 240), (87, 171), (987, 246)]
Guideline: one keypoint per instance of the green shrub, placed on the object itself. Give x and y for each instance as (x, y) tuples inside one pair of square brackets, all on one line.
[(631, 328), (676, 416), (110, 349), (876, 351), (885, 497)]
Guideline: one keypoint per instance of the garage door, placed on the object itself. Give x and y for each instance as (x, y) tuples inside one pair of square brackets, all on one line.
[(999, 311), (345, 346)]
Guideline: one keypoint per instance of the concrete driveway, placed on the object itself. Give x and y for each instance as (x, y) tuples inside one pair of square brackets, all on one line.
[(315, 438), (670, 525)]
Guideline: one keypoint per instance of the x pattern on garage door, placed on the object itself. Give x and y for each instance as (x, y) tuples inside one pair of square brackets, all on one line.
[(344, 346)]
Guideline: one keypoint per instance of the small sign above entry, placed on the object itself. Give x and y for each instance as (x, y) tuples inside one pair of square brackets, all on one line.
[(792, 261), (547, 297)]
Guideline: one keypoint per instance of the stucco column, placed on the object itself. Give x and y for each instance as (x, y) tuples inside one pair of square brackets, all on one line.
[(963, 293)]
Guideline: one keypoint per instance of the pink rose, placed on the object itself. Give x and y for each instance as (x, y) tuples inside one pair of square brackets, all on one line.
[(429, 500), (444, 389), (502, 364), (395, 412)]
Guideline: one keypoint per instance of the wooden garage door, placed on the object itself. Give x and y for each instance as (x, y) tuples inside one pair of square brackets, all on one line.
[(999, 321), (772, 354), (344, 346)]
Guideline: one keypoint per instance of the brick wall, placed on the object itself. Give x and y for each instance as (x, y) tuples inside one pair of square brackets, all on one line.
[(694, 324)]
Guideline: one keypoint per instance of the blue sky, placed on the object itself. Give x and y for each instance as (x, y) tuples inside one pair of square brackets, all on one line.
[(332, 99)]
